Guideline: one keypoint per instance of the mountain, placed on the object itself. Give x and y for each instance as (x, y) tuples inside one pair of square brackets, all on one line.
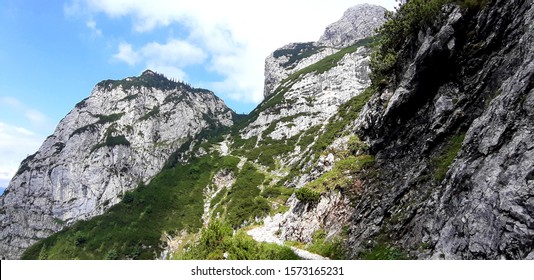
[(357, 24), (117, 138), (413, 144)]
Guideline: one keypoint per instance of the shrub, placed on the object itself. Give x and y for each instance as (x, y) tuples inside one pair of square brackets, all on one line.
[(305, 194), (244, 202), (218, 238), (340, 175)]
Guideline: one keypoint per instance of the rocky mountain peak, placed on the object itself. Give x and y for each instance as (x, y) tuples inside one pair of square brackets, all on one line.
[(119, 137), (148, 79), (357, 23)]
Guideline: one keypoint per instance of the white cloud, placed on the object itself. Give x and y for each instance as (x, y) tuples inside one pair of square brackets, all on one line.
[(127, 54), (174, 52), (15, 144), (91, 24), (166, 58), (236, 35), (35, 117)]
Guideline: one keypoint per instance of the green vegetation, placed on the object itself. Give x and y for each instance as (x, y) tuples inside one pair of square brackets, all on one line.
[(320, 67), (83, 129), (149, 79), (384, 251), (305, 194), (340, 175), (112, 141), (229, 163), (102, 119), (332, 60), (174, 98), (82, 104), (296, 54), (347, 113), (402, 26), (218, 239), (130, 97), (131, 229), (269, 192), (24, 164), (152, 113), (266, 154), (332, 249), (245, 202), (446, 158)]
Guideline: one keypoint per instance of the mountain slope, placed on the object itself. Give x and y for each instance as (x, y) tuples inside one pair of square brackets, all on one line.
[(117, 138), (407, 161), (267, 144), (453, 144)]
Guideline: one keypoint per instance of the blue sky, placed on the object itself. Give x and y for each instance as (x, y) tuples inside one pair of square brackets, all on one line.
[(54, 52)]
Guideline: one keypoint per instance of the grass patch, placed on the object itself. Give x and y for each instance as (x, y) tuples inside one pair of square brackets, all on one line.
[(337, 124), (446, 158), (383, 251), (332, 249), (340, 175)]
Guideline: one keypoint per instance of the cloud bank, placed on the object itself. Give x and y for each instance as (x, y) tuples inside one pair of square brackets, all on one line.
[(229, 38), (15, 144)]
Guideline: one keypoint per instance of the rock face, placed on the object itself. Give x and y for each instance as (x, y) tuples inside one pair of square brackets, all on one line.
[(477, 107), (453, 176), (117, 138), (305, 84), (358, 23), (312, 97)]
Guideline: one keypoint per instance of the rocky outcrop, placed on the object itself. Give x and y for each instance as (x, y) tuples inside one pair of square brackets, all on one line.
[(117, 138), (331, 213), (358, 23), (475, 107), (313, 97), (305, 84)]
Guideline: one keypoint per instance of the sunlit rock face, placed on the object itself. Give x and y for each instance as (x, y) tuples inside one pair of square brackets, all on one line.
[(118, 137)]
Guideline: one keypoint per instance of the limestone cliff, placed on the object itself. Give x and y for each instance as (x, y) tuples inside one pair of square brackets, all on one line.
[(357, 23), (453, 138), (118, 137)]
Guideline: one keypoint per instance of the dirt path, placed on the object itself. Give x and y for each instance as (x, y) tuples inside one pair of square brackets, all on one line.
[(267, 233)]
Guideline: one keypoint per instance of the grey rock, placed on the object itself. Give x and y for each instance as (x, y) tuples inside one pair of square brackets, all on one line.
[(358, 22), (483, 87), (107, 145)]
